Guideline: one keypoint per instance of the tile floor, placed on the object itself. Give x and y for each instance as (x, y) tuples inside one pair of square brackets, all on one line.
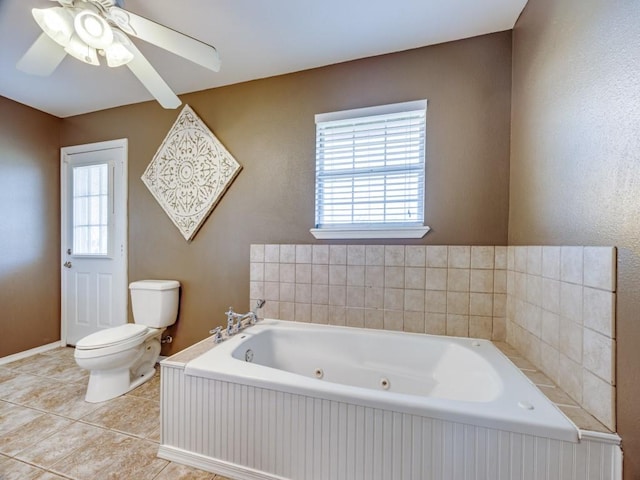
[(48, 431)]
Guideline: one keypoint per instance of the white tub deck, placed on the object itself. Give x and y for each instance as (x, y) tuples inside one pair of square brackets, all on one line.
[(455, 379)]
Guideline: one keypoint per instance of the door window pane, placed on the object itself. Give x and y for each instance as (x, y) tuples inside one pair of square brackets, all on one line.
[(91, 210)]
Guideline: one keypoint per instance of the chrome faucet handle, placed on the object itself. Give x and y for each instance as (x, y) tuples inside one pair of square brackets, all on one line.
[(217, 334)]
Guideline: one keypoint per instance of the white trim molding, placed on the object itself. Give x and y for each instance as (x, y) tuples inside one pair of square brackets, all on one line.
[(31, 352), (351, 233)]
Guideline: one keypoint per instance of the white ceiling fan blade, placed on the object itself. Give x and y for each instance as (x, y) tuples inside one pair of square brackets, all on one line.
[(152, 80), (166, 38), (42, 58)]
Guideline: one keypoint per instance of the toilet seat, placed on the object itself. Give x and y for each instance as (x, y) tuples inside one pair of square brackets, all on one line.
[(111, 340), (111, 336)]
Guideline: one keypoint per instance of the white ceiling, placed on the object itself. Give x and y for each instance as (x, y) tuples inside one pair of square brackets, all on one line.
[(255, 39)]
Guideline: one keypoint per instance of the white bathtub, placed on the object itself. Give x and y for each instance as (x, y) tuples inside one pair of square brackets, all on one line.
[(457, 379), (285, 400)]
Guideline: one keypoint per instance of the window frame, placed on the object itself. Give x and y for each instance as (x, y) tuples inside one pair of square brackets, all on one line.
[(391, 230)]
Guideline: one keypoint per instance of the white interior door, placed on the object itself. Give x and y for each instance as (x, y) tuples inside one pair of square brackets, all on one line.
[(94, 238)]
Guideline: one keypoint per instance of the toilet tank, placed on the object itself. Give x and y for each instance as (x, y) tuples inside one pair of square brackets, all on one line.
[(155, 302)]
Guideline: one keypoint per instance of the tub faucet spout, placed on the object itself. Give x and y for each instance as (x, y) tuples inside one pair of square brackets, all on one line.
[(259, 304), (234, 326)]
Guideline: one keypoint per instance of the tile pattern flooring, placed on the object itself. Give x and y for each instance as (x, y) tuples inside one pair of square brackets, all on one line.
[(48, 431)]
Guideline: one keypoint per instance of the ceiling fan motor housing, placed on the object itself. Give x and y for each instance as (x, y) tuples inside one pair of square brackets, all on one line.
[(105, 4)]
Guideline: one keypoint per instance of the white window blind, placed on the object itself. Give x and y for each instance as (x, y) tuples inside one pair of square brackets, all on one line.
[(370, 167)]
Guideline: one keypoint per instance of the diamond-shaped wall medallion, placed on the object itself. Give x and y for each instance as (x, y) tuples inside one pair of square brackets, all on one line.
[(190, 172)]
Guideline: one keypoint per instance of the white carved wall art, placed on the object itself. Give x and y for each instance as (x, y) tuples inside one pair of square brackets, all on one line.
[(190, 172)]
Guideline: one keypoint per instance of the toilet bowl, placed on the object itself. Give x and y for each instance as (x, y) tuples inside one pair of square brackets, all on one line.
[(122, 358)]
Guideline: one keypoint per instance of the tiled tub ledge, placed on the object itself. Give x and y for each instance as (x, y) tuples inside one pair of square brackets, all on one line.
[(578, 415), (588, 424), (183, 357)]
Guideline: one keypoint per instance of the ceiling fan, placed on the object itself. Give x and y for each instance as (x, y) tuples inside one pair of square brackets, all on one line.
[(89, 29)]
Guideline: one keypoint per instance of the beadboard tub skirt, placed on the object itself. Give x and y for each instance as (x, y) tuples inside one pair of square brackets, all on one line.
[(247, 433)]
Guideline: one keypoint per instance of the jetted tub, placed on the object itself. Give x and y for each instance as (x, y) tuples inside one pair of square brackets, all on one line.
[(457, 379), (285, 400)]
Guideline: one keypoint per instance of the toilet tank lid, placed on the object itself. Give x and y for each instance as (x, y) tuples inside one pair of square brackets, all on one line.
[(154, 285)]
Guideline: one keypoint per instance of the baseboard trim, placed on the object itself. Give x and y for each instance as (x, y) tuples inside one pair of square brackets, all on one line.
[(213, 465), (31, 352)]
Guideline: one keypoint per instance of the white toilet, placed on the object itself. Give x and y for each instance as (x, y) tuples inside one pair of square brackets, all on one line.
[(121, 358)]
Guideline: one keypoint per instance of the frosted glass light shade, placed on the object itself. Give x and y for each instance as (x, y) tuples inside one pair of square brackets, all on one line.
[(117, 53), (55, 22)]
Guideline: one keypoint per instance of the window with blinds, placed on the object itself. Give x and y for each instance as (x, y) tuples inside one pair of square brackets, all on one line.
[(370, 165)]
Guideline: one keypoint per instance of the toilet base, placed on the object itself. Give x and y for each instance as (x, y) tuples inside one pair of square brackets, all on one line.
[(133, 367), (105, 385)]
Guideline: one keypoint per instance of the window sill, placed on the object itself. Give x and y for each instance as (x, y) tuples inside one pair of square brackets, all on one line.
[(346, 233)]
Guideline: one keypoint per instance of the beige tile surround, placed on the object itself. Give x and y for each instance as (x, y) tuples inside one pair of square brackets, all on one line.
[(555, 305), (455, 290), (561, 317)]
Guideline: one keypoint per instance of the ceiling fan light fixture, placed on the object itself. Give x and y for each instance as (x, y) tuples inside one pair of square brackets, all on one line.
[(88, 28), (93, 29), (117, 53), (80, 50), (55, 22)]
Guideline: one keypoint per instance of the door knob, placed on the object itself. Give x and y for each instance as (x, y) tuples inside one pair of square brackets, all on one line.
[(67, 264)]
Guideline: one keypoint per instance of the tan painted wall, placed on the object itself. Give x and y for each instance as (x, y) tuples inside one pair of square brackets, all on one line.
[(268, 125), (29, 228), (575, 156)]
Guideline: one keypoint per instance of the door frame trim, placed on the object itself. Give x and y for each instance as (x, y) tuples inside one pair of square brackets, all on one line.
[(65, 152)]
